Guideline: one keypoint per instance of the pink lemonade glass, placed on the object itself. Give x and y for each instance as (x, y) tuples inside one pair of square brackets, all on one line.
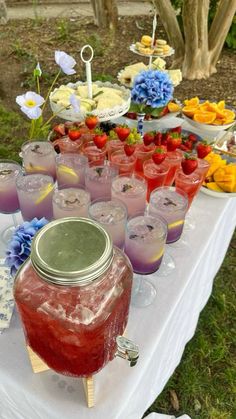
[(66, 145), (9, 170), (173, 160), (93, 153), (98, 180), (39, 157), (190, 184), (112, 215), (70, 169), (172, 206), (114, 145), (145, 243), (142, 153), (70, 202), (125, 164), (202, 169), (35, 196), (155, 175), (132, 190)]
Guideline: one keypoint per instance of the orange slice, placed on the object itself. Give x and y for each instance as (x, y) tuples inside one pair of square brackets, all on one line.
[(173, 107), (203, 107), (221, 105), (218, 121), (204, 117), (194, 102), (228, 114), (189, 110)]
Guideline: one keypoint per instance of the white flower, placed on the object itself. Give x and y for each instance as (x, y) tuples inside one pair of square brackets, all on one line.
[(75, 103), (30, 104), (66, 62)]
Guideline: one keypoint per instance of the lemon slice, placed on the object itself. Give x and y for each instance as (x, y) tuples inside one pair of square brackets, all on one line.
[(32, 168), (155, 258), (68, 170), (44, 193), (177, 223)]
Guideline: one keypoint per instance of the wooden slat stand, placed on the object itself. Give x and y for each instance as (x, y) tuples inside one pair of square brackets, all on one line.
[(39, 366)]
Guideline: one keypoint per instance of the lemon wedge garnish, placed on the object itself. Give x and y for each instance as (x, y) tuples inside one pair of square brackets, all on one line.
[(157, 257), (44, 193), (68, 170), (177, 223), (32, 168)]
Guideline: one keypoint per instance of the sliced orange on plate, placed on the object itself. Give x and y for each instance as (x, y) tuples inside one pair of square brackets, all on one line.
[(194, 102), (189, 110), (173, 107), (204, 117)]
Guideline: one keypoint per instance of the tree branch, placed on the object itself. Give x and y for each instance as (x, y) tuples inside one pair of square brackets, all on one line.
[(170, 23), (221, 24)]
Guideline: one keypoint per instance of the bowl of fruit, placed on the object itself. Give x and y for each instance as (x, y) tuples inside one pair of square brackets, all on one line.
[(208, 116)]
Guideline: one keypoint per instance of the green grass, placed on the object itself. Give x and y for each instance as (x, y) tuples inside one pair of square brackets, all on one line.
[(205, 380)]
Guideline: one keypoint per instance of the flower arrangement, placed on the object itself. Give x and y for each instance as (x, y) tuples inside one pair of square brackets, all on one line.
[(151, 92), (33, 104), (20, 244)]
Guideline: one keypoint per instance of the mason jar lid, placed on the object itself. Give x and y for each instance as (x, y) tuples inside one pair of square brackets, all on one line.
[(71, 251)]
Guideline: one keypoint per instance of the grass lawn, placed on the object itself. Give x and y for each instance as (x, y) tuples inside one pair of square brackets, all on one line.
[(203, 386)]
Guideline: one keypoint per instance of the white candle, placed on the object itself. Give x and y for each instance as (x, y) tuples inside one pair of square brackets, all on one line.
[(88, 69)]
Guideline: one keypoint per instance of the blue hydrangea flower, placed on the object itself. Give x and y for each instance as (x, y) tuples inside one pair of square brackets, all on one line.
[(152, 88), (20, 245)]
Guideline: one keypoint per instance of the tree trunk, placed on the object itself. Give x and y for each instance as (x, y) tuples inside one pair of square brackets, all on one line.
[(3, 13), (170, 23), (196, 64), (105, 13)]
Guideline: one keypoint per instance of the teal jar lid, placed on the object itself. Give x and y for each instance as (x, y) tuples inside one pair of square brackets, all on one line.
[(71, 251)]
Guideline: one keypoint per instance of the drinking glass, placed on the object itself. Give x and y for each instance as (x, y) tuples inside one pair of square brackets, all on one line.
[(70, 202), (35, 195), (173, 160), (142, 153), (124, 163), (66, 145), (39, 157), (155, 175), (114, 145), (132, 190), (112, 215), (70, 169), (98, 180), (202, 169), (145, 240), (190, 184), (9, 203), (93, 153)]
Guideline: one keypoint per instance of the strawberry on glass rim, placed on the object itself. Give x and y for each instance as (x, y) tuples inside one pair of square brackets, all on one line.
[(122, 132), (173, 141), (159, 154), (130, 145), (100, 138), (203, 149), (189, 164), (91, 121), (149, 137), (74, 133)]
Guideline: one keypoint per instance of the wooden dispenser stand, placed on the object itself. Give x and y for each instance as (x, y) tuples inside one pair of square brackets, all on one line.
[(39, 366)]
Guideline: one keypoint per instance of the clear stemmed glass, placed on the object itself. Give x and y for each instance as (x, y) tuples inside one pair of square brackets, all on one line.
[(144, 245), (9, 203)]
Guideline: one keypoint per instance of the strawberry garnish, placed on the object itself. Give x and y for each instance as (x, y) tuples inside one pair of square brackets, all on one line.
[(159, 154), (91, 121), (74, 134), (60, 129), (129, 149), (148, 137), (173, 141), (122, 132), (189, 164), (192, 137), (100, 139), (203, 149)]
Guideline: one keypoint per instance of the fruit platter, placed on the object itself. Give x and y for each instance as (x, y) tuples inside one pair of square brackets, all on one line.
[(108, 101), (144, 47), (208, 116)]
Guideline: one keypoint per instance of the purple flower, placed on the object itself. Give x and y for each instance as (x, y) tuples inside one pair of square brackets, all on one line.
[(20, 245), (152, 88)]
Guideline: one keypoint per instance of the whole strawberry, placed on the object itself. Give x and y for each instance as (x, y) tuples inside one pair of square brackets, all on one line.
[(100, 139), (122, 132), (173, 141), (158, 138), (189, 164), (159, 154), (74, 133), (60, 129), (203, 149), (176, 129), (130, 145), (91, 121), (149, 137)]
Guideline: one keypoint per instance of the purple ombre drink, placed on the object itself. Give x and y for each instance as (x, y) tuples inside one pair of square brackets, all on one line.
[(70, 169), (132, 190), (98, 180), (172, 206), (39, 157), (9, 170), (145, 243), (35, 196), (70, 202)]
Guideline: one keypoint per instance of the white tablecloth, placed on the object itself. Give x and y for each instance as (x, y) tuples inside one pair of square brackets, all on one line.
[(161, 331)]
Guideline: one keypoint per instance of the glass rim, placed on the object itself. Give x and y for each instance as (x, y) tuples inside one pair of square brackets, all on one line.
[(130, 176), (155, 218), (106, 199), (143, 153), (13, 174), (183, 194), (122, 153), (57, 190), (186, 177), (150, 161), (25, 175), (82, 157), (27, 143)]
